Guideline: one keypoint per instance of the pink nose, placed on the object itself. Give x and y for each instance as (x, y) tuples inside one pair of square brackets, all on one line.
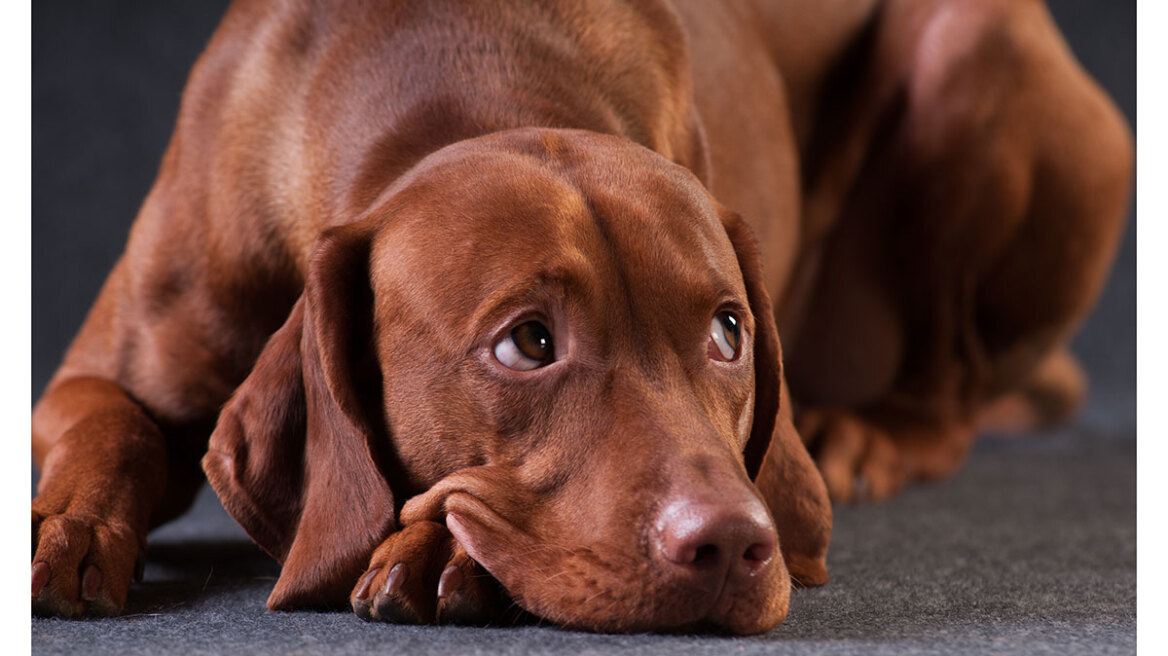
[(708, 542)]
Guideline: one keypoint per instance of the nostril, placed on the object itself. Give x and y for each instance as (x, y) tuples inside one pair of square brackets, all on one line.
[(757, 554), (706, 554)]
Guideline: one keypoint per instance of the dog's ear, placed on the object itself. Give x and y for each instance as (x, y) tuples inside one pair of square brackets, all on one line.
[(295, 456), (774, 456)]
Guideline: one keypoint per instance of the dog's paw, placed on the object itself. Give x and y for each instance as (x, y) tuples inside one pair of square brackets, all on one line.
[(81, 564), (421, 575), (863, 460), (858, 461)]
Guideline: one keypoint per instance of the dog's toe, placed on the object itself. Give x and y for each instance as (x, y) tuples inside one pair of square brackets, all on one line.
[(80, 565), (360, 599), (404, 598), (880, 468), (859, 461), (467, 594), (420, 575), (865, 460)]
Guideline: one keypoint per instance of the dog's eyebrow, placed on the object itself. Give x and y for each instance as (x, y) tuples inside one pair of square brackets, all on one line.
[(558, 284)]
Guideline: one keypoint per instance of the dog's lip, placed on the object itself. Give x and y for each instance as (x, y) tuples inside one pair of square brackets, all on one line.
[(432, 504), (460, 509), (477, 528), (466, 538), (462, 504)]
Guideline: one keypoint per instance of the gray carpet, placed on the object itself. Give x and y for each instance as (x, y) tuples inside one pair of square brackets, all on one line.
[(1029, 550)]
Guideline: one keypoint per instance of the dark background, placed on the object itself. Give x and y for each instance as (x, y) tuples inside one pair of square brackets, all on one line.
[(107, 77)]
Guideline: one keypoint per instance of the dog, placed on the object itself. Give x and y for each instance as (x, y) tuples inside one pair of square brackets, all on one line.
[(460, 304)]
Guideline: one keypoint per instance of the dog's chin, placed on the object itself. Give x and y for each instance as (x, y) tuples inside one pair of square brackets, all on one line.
[(589, 589), (756, 610)]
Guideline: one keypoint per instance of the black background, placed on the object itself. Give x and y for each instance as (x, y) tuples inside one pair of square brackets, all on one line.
[(107, 78)]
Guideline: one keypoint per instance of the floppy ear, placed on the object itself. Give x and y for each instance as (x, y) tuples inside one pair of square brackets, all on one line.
[(774, 455), (294, 457)]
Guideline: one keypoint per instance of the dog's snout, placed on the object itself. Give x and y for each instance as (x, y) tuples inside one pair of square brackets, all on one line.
[(706, 542)]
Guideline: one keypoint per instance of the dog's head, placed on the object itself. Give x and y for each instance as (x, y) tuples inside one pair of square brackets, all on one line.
[(560, 344)]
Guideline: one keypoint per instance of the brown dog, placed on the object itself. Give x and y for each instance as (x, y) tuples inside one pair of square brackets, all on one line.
[(456, 270)]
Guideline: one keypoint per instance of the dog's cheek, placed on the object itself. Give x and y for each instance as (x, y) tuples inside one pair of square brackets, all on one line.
[(495, 556), (518, 563), (730, 409), (745, 421), (435, 434)]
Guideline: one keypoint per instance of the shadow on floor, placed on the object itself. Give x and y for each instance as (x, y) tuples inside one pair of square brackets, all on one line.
[(190, 572)]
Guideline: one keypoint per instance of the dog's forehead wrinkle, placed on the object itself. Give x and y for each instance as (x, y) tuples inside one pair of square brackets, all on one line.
[(552, 289), (658, 301), (404, 311), (558, 207), (665, 251), (488, 258)]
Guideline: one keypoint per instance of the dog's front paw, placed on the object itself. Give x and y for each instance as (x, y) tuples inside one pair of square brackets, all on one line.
[(421, 575), (81, 564)]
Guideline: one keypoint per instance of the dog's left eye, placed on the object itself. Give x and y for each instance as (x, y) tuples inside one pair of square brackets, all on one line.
[(725, 337), (528, 346)]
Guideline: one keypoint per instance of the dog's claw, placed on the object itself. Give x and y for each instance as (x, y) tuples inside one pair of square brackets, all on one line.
[(90, 583), (393, 604), (860, 491), (40, 576), (396, 579), (361, 594), (422, 575), (362, 591), (451, 579)]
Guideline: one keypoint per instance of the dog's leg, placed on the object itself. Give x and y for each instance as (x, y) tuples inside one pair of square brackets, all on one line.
[(120, 430), (872, 456), (108, 472), (978, 233), (103, 464), (106, 476)]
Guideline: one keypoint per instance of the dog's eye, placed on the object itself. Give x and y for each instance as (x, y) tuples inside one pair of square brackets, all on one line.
[(528, 346), (725, 336)]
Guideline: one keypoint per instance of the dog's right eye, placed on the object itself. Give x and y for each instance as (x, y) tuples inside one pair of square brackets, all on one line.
[(528, 346)]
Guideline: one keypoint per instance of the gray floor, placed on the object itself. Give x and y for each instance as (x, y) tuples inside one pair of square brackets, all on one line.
[(1029, 550)]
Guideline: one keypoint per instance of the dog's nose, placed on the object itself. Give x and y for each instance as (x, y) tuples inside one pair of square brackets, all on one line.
[(708, 541)]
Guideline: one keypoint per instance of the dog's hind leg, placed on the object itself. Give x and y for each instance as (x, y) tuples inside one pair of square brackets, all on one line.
[(981, 226), (1049, 395)]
